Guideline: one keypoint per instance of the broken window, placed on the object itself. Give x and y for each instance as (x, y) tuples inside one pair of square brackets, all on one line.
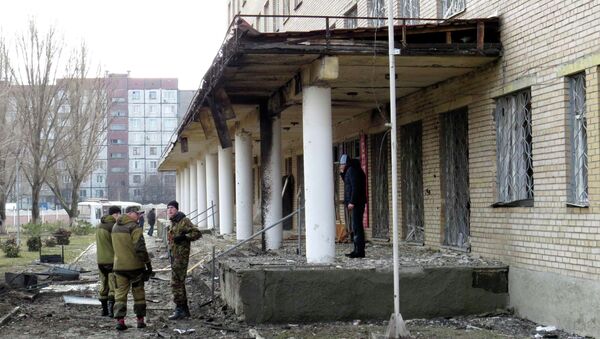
[(578, 124), (376, 9), (411, 161), (409, 9), (350, 20), (449, 8), (513, 149)]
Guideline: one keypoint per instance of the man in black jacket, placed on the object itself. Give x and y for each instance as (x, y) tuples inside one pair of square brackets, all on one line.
[(355, 198)]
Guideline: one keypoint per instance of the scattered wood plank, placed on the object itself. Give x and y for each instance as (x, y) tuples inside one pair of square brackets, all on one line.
[(82, 253), (10, 314)]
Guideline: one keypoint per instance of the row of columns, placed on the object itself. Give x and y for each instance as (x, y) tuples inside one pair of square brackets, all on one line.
[(203, 182)]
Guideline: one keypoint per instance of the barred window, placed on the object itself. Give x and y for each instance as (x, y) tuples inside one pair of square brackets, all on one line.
[(449, 8), (513, 149), (409, 9), (350, 20), (579, 153), (376, 9)]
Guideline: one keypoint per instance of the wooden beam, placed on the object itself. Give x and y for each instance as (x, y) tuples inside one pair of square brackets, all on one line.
[(480, 34), (220, 122), (223, 99)]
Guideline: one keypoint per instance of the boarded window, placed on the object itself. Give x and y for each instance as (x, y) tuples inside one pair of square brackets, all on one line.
[(411, 161), (513, 148), (449, 8), (578, 125), (455, 178)]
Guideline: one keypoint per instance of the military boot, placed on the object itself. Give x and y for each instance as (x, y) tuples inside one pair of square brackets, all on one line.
[(104, 307), (121, 324), (140, 322), (179, 313), (186, 309), (111, 306)]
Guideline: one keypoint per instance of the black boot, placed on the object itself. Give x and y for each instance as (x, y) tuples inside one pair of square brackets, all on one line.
[(104, 307), (179, 313), (186, 309), (111, 306)]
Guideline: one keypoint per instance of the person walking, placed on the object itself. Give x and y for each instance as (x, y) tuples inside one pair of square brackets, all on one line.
[(151, 221), (105, 257), (131, 267), (355, 198), (181, 233)]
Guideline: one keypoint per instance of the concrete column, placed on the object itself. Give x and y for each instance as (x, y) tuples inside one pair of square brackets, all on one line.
[(212, 189), (178, 185), (193, 188), (201, 191), (318, 168), (186, 190), (243, 185), (225, 191), (270, 148)]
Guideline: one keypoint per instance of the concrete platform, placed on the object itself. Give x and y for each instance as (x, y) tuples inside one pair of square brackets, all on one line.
[(271, 290)]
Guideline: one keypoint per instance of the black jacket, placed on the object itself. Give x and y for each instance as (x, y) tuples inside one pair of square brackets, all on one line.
[(354, 183), (151, 217)]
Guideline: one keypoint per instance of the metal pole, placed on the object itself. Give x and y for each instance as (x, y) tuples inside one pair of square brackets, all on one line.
[(212, 276), (18, 194), (299, 252), (399, 328), (212, 210)]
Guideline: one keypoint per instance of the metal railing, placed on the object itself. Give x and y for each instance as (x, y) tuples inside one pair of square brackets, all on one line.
[(231, 249), (213, 212)]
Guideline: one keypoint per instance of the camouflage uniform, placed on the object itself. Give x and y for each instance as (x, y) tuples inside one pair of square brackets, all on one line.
[(131, 258), (180, 254), (105, 256)]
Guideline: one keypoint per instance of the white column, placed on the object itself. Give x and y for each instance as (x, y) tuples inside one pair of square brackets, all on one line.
[(212, 189), (178, 185), (243, 185), (274, 236), (318, 168), (225, 191), (186, 190), (201, 188), (193, 188)]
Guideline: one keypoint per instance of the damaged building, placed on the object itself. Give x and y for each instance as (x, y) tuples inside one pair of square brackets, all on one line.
[(497, 142)]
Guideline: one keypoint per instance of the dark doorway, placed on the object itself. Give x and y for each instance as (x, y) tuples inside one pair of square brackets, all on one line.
[(455, 178), (411, 174), (381, 209)]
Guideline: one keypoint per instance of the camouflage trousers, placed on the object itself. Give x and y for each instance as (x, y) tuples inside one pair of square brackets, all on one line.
[(106, 286), (179, 265), (124, 281)]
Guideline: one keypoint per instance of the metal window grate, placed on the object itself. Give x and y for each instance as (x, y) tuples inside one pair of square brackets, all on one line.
[(455, 181), (578, 122), (411, 137), (376, 8), (451, 7), (409, 9), (513, 147)]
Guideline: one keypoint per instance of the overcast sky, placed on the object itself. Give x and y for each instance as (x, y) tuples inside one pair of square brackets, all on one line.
[(150, 38)]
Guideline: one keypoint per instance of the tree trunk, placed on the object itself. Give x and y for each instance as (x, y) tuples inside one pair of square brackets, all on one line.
[(2, 213), (35, 201), (72, 211)]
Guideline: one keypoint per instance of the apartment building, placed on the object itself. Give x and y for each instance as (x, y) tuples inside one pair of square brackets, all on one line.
[(498, 157)]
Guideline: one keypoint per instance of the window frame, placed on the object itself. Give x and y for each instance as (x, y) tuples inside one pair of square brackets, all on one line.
[(450, 15), (578, 195)]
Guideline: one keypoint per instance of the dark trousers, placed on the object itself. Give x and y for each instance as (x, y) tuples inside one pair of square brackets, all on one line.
[(358, 229), (151, 230)]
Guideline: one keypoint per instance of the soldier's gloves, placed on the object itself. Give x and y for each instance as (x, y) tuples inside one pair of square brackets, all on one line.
[(180, 239), (148, 272)]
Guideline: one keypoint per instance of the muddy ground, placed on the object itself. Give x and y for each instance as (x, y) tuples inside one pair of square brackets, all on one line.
[(47, 316)]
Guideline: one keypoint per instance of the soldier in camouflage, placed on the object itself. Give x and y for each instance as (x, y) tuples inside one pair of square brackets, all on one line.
[(181, 233), (131, 266), (105, 256)]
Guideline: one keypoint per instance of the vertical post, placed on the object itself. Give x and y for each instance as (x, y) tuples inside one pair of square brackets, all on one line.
[(299, 226), (186, 189), (212, 211), (243, 185), (193, 187), (212, 187), (225, 191), (318, 182), (18, 194), (212, 275), (201, 182), (397, 327)]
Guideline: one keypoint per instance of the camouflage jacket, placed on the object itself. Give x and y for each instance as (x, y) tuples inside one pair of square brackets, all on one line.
[(181, 225), (129, 245), (104, 249)]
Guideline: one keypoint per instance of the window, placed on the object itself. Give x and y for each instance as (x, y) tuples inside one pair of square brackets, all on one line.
[(137, 192), (136, 95), (136, 150), (169, 110), (153, 110), (117, 141), (118, 127), (297, 4), (169, 124), (152, 124), (266, 19), (136, 138), (153, 138), (99, 179), (449, 8), (376, 9), (99, 193), (152, 95), (66, 179), (136, 124), (83, 193), (409, 9), (117, 155), (153, 150), (275, 12), (137, 179), (258, 18), (118, 169), (513, 149), (153, 164), (117, 113), (579, 153), (286, 7), (350, 21), (136, 110)]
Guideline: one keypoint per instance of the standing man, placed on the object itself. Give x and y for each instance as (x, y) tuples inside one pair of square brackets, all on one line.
[(131, 266), (105, 256), (355, 198), (151, 220), (141, 220), (181, 233)]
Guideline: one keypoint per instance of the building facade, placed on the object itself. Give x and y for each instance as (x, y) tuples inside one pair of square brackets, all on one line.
[(499, 158)]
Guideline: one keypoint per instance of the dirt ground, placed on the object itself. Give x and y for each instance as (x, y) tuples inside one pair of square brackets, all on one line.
[(47, 316)]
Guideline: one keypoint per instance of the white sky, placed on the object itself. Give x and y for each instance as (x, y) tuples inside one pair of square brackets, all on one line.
[(150, 38)]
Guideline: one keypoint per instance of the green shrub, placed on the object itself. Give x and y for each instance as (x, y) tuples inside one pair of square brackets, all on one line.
[(50, 242), (82, 227), (62, 236), (32, 230), (34, 244), (10, 248)]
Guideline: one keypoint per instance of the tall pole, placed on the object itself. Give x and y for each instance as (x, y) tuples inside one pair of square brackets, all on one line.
[(18, 194), (397, 327)]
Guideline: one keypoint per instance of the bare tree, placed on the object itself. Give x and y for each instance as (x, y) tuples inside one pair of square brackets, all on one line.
[(39, 99), (9, 135), (85, 112)]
